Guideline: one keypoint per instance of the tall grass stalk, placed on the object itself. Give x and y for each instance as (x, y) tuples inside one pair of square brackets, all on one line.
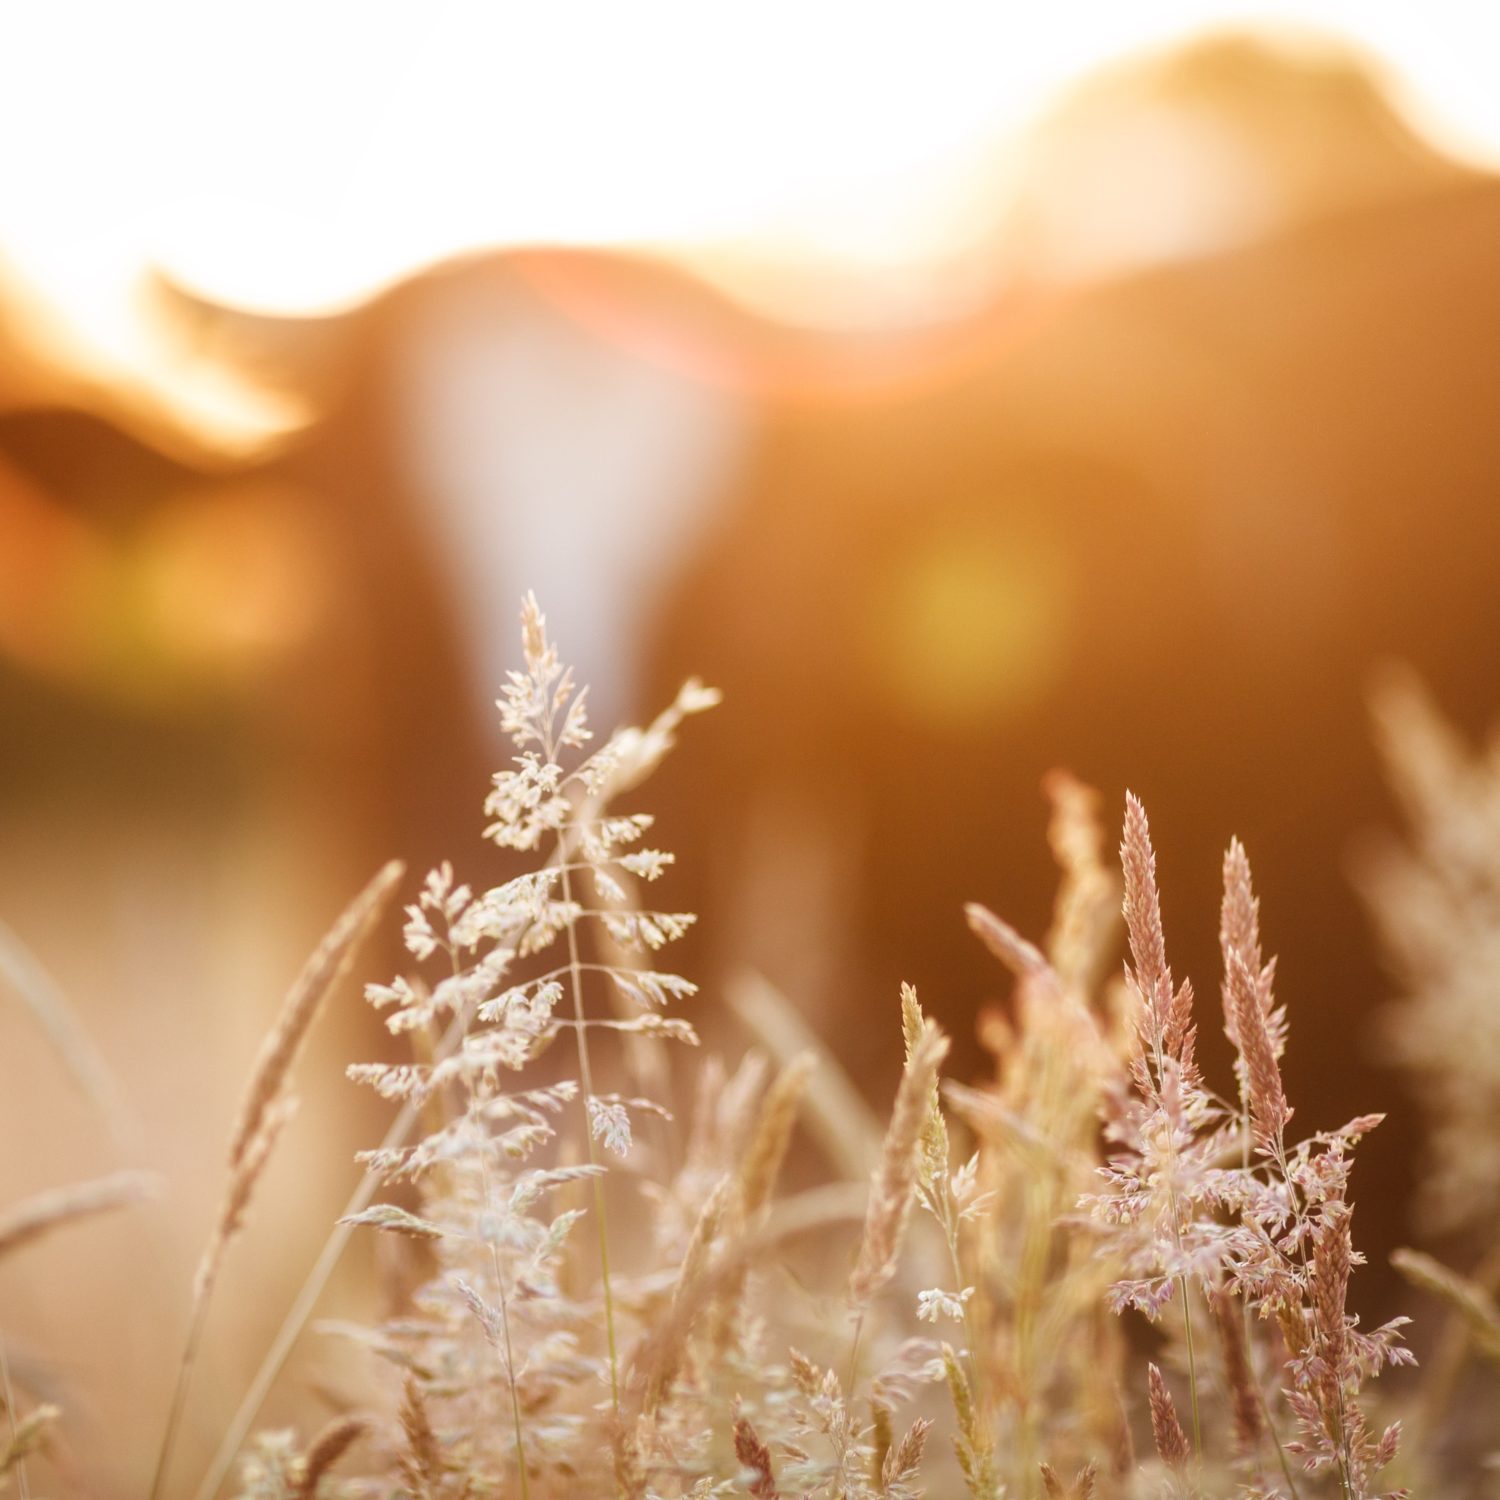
[(264, 1110), (586, 1078)]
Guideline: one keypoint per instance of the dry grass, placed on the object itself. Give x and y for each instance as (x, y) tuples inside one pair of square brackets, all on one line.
[(551, 1338)]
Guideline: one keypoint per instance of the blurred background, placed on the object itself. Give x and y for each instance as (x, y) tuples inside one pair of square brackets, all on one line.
[(964, 392)]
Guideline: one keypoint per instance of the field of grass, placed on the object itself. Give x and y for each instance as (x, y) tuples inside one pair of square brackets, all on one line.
[(1095, 1273)]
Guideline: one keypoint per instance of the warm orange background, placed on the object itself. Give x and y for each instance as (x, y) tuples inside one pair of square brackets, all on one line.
[(1155, 517)]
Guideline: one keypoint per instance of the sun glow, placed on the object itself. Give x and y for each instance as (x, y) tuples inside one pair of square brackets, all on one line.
[(293, 158)]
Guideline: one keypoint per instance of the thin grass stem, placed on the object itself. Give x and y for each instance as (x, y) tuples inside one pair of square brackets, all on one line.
[(181, 1387), (23, 1483), (586, 1077), (859, 1328), (510, 1362), (1187, 1333)]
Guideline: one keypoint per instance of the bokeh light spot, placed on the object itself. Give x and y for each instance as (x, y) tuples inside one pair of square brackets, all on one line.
[(971, 627)]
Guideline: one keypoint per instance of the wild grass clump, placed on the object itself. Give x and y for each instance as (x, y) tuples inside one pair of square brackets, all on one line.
[(1096, 1272)]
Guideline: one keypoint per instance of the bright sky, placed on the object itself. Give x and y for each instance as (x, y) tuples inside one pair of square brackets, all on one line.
[(294, 154)]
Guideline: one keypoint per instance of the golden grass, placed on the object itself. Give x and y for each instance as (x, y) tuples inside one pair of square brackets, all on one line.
[(602, 1309)]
